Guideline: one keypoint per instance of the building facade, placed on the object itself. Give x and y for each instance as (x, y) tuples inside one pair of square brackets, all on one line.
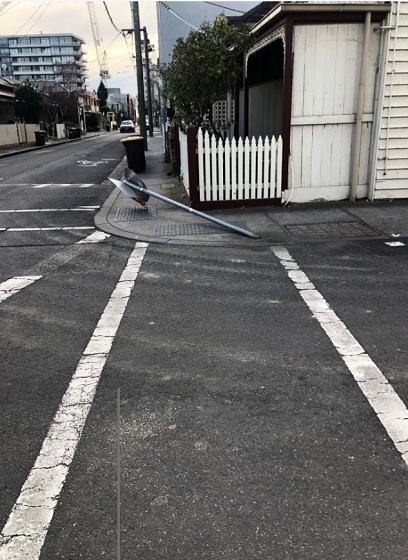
[(123, 104), (56, 57)]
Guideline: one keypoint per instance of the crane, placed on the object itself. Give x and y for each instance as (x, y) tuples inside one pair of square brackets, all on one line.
[(100, 55), (3, 5)]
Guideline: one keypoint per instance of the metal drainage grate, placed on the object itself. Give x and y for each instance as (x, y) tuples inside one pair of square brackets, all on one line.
[(338, 229), (135, 214), (169, 230)]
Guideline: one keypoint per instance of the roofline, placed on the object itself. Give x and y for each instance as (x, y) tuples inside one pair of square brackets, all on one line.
[(309, 8), (44, 35)]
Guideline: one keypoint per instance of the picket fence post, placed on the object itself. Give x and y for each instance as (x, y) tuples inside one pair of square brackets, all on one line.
[(243, 170)]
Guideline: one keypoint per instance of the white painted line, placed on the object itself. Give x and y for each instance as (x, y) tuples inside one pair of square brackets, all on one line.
[(89, 207), (395, 243), (13, 285), (85, 185), (42, 185), (95, 237), (28, 210), (50, 228), (390, 409), (24, 533)]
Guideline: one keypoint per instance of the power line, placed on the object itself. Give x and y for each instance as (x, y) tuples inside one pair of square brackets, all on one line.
[(178, 16), (45, 7), (225, 7), (113, 40), (110, 17), (32, 15)]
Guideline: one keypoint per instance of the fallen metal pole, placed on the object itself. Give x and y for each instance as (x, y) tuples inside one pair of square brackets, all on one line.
[(146, 191)]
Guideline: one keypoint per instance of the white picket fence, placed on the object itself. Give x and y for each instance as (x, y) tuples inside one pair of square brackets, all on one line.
[(243, 170)]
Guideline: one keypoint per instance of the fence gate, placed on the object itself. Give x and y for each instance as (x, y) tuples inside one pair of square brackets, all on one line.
[(243, 173)]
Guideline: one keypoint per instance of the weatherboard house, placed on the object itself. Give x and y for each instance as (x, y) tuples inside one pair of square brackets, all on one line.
[(331, 80)]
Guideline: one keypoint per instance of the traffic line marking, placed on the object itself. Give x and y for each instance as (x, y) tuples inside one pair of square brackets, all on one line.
[(25, 531), (95, 237), (390, 409), (80, 185), (13, 285), (49, 228), (28, 210), (395, 243)]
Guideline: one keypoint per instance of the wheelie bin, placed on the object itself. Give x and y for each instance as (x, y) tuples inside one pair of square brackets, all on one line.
[(135, 153), (39, 137)]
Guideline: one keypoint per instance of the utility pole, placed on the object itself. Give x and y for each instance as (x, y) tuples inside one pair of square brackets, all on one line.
[(148, 87), (139, 72)]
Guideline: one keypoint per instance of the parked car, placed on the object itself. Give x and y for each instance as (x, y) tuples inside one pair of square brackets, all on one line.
[(127, 126)]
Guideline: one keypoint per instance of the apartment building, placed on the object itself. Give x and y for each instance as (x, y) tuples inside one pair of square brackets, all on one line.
[(57, 57)]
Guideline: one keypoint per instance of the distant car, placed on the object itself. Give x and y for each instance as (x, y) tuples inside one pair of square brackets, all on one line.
[(127, 126)]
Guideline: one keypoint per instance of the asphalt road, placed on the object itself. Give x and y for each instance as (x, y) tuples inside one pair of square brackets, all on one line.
[(242, 433)]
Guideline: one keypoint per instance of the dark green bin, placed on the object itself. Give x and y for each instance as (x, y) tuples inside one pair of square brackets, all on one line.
[(135, 153), (39, 137)]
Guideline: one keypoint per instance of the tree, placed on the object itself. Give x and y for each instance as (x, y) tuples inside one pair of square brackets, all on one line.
[(93, 121), (29, 103), (102, 93), (204, 68), (56, 99), (67, 75)]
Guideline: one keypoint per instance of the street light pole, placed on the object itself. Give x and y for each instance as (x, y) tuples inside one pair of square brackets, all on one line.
[(148, 87), (139, 72)]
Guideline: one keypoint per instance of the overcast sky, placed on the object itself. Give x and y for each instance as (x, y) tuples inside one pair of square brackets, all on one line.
[(25, 17)]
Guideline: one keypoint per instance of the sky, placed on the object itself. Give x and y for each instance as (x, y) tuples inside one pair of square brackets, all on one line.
[(26, 17)]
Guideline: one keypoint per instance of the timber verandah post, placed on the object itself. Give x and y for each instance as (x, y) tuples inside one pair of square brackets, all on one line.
[(287, 101)]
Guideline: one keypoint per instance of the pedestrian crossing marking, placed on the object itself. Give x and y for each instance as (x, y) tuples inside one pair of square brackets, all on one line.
[(12, 286), (27, 210), (25, 531), (78, 185), (64, 228), (15, 284)]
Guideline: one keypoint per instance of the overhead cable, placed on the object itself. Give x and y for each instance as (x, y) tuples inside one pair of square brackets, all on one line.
[(29, 19), (110, 17), (177, 16), (225, 7)]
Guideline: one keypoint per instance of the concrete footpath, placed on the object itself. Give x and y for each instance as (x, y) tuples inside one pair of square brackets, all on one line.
[(159, 222)]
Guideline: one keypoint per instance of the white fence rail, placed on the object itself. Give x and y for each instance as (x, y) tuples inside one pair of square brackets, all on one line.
[(184, 169), (243, 170)]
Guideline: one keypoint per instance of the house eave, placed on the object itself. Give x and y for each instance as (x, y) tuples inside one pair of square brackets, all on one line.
[(285, 9)]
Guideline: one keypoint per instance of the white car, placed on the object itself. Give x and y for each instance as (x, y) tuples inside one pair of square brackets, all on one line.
[(127, 126)]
